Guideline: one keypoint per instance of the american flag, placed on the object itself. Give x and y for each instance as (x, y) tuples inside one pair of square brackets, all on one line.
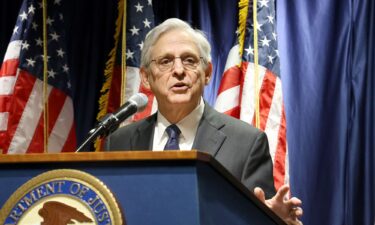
[(21, 84), (141, 17), (139, 21), (238, 89)]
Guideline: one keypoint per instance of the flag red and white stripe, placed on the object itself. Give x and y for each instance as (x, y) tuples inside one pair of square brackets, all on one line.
[(236, 98), (256, 96), (21, 93)]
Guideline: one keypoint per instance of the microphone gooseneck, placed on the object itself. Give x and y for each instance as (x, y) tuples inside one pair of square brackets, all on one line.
[(111, 121)]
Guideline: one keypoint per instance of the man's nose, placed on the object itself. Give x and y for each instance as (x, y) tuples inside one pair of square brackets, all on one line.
[(178, 67)]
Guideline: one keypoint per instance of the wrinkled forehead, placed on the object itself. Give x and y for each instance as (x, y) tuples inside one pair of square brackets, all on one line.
[(174, 42)]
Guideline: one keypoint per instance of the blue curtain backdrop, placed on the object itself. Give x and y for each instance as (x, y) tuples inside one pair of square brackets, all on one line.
[(327, 62), (327, 68)]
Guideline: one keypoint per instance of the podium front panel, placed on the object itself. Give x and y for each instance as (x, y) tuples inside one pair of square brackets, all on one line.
[(190, 192)]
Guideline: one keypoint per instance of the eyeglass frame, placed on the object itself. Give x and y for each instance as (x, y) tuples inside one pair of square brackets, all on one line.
[(155, 60)]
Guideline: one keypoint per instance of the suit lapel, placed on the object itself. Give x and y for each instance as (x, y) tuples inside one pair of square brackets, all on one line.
[(143, 137), (209, 137)]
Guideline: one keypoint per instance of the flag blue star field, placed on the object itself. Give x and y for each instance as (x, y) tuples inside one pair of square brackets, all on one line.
[(139, 21), (21, 84), (240, 86)]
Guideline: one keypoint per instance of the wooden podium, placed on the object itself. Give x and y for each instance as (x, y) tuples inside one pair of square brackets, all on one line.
[(173, 187)]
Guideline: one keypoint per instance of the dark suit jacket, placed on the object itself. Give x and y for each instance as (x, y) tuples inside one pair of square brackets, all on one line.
[(242, 149)]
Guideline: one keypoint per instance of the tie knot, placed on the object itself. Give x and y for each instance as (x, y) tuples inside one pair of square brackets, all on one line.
[(173, 132)]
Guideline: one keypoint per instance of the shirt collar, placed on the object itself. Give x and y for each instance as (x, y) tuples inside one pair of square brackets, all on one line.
[(187, 125)]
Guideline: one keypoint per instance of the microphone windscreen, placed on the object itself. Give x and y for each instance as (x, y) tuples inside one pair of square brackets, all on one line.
[(140, 100)]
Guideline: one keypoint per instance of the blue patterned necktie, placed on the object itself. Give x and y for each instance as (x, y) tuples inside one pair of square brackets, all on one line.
[(173, 134)]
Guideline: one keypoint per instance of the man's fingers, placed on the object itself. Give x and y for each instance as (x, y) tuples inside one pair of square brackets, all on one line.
[(288, 209), (296, 212), (299, 212), (293, 204), (283, 190), (260, 194)]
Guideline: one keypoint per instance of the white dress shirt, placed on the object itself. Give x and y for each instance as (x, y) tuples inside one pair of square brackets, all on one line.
[(188, 127)]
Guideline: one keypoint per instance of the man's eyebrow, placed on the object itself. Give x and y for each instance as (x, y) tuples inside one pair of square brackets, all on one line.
[(188, 53), (165, 55)]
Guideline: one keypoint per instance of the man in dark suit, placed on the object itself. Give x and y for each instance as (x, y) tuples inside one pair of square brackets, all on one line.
[(176, 65), (242, 149)]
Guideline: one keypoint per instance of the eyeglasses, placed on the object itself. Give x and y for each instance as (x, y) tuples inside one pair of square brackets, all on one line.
[(166, 63)]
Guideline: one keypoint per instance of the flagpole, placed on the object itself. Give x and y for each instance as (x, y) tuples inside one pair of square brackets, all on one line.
[(45, 77), (123, 58), (256, 64)]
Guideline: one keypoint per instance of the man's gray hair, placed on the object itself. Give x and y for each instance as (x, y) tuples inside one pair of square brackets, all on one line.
[(175, 24)]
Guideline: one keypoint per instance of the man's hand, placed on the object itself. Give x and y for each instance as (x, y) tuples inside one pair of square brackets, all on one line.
[(288, 209)]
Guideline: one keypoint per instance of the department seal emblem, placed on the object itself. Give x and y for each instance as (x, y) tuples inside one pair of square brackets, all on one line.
[(61, 197)]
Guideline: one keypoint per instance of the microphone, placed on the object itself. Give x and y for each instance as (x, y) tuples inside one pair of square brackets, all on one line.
[(111, 121), (136, 103)]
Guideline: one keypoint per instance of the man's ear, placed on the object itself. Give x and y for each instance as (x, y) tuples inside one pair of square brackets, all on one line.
[(144, 77), (208, 73)]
